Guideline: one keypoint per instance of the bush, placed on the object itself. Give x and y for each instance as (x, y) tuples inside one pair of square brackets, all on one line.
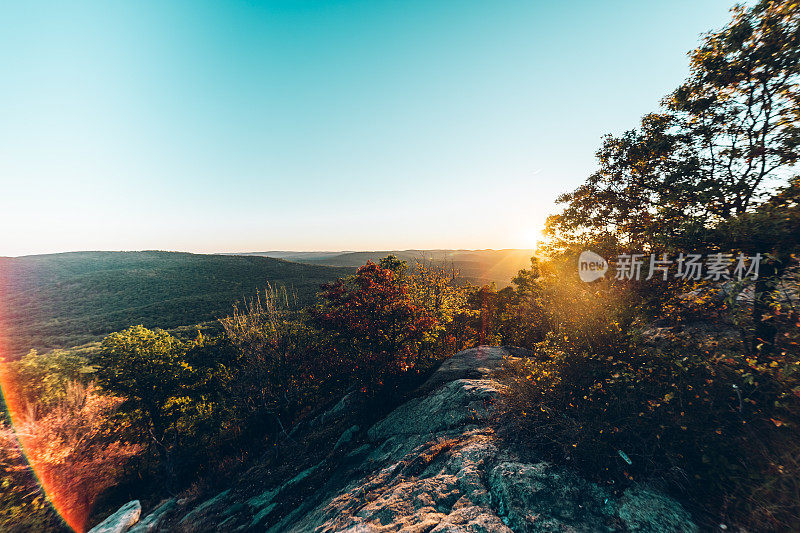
[(373, 328), (719, 432), (443, 296), (268, 367)]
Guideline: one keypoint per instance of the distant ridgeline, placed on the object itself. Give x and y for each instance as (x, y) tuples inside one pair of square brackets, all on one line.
[(477, 266), (65, 300)]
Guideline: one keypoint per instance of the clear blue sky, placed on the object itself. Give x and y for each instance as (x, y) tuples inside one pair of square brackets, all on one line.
[(235, 126)]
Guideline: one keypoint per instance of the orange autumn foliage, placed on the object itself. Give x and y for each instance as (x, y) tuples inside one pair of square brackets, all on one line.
[(72, 449)]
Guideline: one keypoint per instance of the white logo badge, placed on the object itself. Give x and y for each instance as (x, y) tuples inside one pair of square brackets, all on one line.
[(591, 266)]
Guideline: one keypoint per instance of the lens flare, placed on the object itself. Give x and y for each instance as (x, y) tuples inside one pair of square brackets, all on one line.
[(66, 504)]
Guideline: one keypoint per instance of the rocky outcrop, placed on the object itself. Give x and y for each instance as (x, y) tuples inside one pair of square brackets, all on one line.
[(122, 520), (151, 521), (434, 465)]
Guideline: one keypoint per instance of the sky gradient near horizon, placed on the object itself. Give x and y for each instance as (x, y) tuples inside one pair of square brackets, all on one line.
[(311, 125)]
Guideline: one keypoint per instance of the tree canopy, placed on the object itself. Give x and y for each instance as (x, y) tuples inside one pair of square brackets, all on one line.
[(724, 139)]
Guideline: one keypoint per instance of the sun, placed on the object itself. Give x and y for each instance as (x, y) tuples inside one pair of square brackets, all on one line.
[(529, 238)]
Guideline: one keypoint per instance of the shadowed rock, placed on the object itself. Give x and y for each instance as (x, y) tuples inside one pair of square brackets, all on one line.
[(151, 521), (120, 521)]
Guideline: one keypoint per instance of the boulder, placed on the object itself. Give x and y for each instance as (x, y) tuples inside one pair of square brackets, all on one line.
[(119, 522), (151, 521), (346, 437), (539, 497), (646, 510)]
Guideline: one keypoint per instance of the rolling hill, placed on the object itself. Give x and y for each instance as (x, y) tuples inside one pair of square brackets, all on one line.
[(64, 300), (477, 266)]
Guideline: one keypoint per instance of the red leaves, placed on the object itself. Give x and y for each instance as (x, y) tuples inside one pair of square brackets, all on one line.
[(372, 319)]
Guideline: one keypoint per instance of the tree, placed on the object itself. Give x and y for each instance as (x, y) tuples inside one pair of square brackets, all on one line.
[(725, 137), (739, 111), (629, 199), (372, 324), (396, 265), (148, 369), (772, 230), (493, 320), (442, 294), (529, 305)]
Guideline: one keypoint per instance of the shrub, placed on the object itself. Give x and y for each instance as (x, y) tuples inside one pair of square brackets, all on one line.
[(41, 380), (718, 431), (442, 295), (372, 326), (267, 369)]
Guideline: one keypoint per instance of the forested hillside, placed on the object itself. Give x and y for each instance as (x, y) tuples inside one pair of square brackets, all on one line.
[(476, 266), (61, 300)]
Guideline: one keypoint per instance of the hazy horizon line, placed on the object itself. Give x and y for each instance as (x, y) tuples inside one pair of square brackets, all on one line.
[(272, 251)]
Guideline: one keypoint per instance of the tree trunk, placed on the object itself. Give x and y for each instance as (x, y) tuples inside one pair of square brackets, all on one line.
[(764, 331)]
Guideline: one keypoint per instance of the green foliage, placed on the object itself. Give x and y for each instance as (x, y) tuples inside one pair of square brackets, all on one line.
[(716, 424), (443, 296), (738, 110), (146, 367), (715, 429), (63, 300), (268, 365), (203, 406), (549, 299), (161, 387), (391, 262), (42, 379), (23, 504)]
